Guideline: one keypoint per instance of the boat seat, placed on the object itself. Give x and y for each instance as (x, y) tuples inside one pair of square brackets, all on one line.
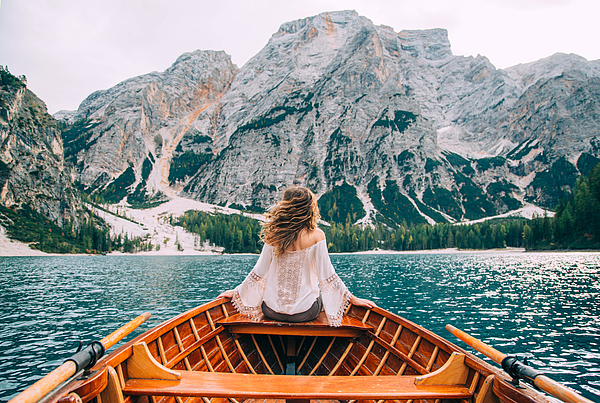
[(147, 377), (250, 386), (351, 327)]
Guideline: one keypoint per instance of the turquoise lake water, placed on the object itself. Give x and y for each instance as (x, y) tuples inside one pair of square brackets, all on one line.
[(546, 305)]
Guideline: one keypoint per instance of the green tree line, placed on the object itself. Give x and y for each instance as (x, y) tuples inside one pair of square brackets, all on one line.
[(236, 233), (91, 236), (239, 234), (576, 223), (486, 235)]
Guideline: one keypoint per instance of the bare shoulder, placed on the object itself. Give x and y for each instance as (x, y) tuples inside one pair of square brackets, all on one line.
[(317, 235), (308, 239)]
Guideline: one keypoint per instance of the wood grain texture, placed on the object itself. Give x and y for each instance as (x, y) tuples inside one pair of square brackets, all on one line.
[(39, 389), (294, 387), (142, 365), (486, 394), (454, 372), (112, 393), (400, 348), (350, 327)]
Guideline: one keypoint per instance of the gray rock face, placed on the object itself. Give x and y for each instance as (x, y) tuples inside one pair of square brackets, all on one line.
[(31, 158), (317, 106), (146, 117), (431, 44), (497, 106), (422, 135)]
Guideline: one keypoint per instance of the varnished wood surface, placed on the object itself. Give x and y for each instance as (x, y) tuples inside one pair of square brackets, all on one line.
[(240, 324), (49, 382), (42, 387), (542, 382), (189, 341), (118, 334), (559, 391), (112, 393), (293, 387), (454, 372), (143, 365), (478, 345)]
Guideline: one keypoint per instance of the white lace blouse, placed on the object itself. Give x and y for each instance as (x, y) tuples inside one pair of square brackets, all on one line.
[(290, 283)]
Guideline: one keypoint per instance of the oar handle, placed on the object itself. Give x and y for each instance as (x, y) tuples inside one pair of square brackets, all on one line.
[(117, 335), (42, 387), (544, 383), (478, 345), (559, 391)]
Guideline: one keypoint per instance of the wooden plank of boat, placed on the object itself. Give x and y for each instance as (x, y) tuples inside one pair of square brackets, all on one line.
[(383, 357), (149, 378), (250, 386), (240, 324)]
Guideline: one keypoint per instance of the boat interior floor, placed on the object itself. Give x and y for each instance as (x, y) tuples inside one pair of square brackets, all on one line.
[(215, 355)]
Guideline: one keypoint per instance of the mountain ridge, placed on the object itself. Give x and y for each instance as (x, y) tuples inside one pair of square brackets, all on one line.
[(421, 135), (32, 170)]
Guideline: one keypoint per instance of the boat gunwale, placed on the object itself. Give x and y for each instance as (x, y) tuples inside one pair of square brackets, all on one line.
[(125, 351), (471, 360)]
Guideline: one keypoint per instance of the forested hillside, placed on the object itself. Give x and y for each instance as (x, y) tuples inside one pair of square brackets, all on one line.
[(576, 225), (400, 139)]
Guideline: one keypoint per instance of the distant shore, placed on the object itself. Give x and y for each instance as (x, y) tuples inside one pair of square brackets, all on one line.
[(9, 247), (439, 251)]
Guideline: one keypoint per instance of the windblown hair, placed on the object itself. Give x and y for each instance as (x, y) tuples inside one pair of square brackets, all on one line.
[(297, 211)]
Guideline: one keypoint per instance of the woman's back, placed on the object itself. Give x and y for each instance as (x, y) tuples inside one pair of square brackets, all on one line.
[(293, 278)]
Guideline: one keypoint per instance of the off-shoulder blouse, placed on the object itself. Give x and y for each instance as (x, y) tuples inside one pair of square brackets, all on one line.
[(290, 283)]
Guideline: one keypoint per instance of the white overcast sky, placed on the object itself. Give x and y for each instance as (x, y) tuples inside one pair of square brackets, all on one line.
[(70, 48)]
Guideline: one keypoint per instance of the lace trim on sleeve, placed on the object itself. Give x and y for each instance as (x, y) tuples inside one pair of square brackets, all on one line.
[(336, 320), (331, 282), (253, 312), (256, 281), (253, 282)]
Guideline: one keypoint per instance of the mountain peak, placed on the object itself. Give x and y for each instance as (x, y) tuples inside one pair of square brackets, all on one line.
[(198, 54), (331, 17), (335, 102)]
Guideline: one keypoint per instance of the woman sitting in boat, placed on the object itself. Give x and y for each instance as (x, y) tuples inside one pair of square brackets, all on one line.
[(293, 280)]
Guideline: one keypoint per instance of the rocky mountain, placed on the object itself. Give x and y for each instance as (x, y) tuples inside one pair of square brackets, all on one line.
[(128, 134), (32, 170), (384, 126)]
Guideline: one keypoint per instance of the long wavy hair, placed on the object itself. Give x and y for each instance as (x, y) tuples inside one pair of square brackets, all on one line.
[(297, 211)]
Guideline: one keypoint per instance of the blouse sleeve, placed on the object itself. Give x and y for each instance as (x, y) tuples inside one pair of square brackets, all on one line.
[(248, 296), (334, 292)]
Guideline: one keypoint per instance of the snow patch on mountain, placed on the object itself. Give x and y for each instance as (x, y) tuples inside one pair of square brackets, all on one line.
[(529, 211), (153, 224)]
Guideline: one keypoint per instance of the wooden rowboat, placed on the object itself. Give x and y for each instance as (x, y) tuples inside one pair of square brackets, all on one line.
[(211, 354)]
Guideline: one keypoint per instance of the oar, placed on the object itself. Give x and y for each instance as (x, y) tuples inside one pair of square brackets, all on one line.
[(81, 360), (518, 370)]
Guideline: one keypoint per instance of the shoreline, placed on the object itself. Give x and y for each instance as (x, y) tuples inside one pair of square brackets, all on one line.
[(432, 251), (12, 248), (17, 249)]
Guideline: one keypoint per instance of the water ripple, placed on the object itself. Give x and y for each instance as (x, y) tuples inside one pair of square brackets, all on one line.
[(542, 304)]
